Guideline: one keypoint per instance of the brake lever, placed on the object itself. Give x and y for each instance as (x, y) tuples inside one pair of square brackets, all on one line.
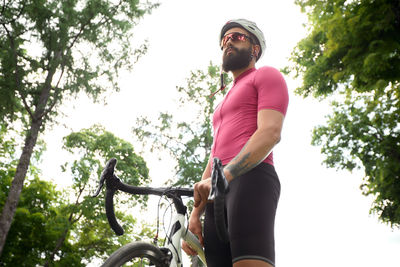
[(101, 184), (108, 171), (219, 184), (219, 187)]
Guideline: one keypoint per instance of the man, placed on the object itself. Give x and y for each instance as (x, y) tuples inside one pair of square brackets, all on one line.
[(247, 125)]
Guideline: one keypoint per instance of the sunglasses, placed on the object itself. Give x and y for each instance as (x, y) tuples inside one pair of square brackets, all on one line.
[(235, 37)]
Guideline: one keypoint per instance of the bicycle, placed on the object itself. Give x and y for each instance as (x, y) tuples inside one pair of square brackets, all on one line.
[(140, 253)]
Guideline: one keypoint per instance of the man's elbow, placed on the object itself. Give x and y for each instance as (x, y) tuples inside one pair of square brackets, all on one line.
[(276, 136), (278, 139), (272, 134)]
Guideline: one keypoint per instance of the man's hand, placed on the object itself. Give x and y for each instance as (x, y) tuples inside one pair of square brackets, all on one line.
[(196, 229), (201, 192)]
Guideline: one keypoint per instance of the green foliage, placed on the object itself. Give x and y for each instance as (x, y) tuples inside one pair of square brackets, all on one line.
[(54, 228), (96, 146), (51, 50), (355, 43), (364, 131), (62, 48), (189, 141), (353, 52), (36, 225), (44, 216), (92, 236), (7, 148)]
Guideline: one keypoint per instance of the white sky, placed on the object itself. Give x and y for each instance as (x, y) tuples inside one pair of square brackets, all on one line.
[(322, 219)]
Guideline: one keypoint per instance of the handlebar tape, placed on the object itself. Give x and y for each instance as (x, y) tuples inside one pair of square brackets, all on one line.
[(220, 188), (219, 216), (112, 220)]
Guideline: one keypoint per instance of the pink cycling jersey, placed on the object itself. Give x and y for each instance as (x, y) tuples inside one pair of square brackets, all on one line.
[(235, 118)]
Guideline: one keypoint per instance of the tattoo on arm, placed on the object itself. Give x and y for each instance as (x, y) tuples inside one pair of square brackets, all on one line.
[(242, 166)]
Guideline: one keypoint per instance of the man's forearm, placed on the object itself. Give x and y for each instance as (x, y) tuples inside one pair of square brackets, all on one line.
[(207, 170), (253, 153), (198, 211)]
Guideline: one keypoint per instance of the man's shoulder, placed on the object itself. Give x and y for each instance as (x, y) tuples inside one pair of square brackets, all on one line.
[(267, 73), (268, 70)]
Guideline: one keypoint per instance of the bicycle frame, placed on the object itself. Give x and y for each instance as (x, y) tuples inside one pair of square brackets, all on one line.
[(178, 232)]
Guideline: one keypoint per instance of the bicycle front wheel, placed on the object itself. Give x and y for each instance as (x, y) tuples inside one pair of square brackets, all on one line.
[(137, 254)]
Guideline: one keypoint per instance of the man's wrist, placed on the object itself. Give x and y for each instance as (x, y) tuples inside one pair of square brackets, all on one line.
[(197, 212), (228, 175)]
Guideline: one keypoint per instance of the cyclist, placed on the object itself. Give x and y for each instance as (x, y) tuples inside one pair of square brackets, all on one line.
[(247, 125)]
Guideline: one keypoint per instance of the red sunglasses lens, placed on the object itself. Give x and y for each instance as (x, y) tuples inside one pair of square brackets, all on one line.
[(234, 36)]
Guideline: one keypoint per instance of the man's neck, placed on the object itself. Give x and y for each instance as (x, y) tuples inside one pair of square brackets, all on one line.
[(237, 73)]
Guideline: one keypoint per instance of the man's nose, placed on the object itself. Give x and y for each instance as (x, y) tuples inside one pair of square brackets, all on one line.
[(228, 43)]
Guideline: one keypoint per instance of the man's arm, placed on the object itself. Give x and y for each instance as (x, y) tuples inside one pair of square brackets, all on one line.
[(198, 210), (260, 144), (207, 170), (194, 221)]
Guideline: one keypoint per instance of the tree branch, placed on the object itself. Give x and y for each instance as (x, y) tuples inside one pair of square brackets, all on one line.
[(45, 92), (57, 92), (57, 247), (62, 238), (103, 20), (93, 244), (3, 22), (17, 76)]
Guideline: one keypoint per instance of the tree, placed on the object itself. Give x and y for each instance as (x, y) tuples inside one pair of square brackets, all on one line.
[(54, 228), (352, 53), (189, 142), (37, 218), (54, 49), (36, 222), (87, 227)]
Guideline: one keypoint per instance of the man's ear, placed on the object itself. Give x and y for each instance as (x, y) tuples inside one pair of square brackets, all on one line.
[(256, 51)]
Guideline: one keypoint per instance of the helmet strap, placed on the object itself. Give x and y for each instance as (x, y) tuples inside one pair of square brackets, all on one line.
[(222, 85)]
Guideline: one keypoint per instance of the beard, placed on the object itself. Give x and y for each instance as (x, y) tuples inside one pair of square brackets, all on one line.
[(239, 59)]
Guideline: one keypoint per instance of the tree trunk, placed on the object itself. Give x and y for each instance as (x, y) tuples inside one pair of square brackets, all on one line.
[(10, 206), (37, 118)]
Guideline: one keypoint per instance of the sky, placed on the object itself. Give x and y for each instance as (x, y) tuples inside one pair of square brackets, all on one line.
[(323, 219)]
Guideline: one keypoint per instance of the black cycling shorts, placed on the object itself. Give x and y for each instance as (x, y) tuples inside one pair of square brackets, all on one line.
[(250, 208)]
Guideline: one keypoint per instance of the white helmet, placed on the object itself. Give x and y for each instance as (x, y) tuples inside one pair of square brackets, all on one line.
[(249, 26)]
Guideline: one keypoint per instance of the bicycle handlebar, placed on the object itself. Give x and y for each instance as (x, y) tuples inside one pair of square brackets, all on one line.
[(113, 183)]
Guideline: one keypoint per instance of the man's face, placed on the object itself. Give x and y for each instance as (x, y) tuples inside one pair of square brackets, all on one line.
[(236, 54)]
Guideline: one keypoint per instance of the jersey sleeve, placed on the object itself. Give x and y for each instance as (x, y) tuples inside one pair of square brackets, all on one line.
[(271, 89)]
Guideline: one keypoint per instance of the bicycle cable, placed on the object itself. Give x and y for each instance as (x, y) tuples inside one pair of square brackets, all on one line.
[(155, 240), (166, 230)]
